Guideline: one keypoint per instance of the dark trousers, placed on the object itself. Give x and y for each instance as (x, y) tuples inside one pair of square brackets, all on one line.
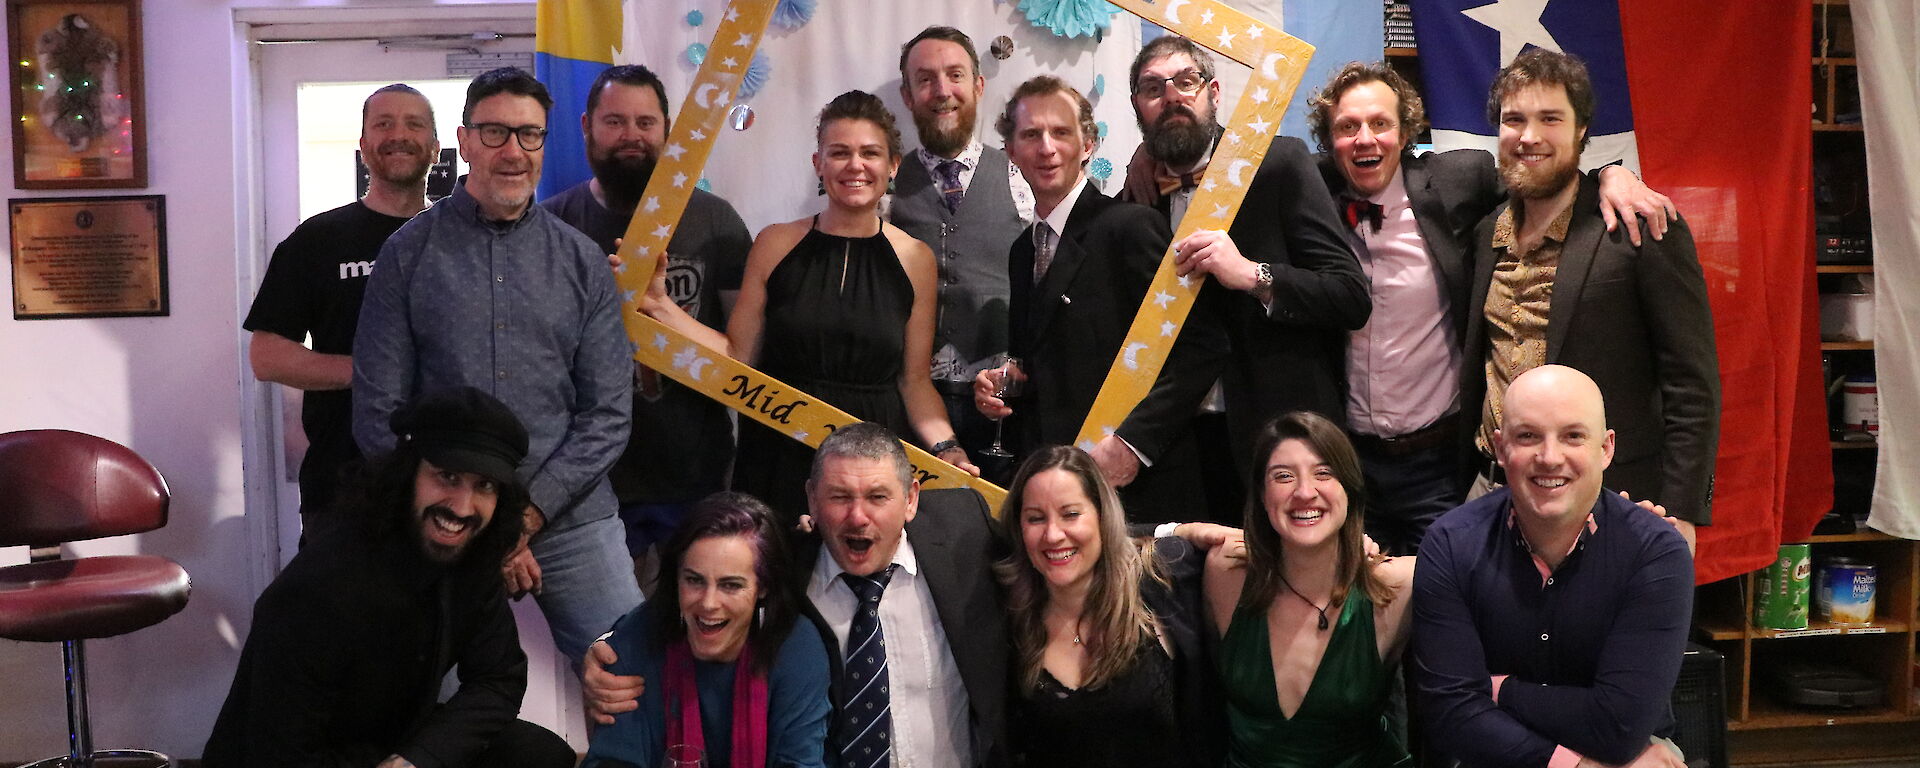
[(1406, 492), (525, 745)]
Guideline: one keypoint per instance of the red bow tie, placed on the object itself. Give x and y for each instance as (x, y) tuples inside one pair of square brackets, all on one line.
[(1362, 210)]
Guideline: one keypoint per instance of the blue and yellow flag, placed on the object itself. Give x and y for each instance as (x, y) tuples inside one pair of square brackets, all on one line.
[(573, 40)]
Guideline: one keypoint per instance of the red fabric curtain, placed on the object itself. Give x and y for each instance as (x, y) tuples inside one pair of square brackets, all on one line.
[(1720, 100)]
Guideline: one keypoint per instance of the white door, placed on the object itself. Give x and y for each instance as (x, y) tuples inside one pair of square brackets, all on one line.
[(312, 69)]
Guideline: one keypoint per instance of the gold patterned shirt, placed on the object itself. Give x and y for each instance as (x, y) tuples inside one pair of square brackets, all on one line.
[(1518, 303)]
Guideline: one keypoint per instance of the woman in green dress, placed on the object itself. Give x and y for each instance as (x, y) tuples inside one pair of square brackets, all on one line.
[(1314, 627)]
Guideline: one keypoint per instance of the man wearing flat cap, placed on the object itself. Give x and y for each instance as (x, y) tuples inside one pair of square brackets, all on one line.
[(349, 644)]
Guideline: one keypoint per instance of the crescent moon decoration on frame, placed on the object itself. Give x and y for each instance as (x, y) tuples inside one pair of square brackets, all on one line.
[(1209, 23)]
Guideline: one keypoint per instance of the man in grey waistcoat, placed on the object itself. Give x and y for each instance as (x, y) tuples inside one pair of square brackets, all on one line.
[(966, 202)]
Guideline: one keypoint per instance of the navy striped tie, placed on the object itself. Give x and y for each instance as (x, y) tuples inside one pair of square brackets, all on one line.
[(866, 725)]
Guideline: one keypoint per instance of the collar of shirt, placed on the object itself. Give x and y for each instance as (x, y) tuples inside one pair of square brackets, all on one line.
[(826, 571), (1058, 218), (969, 158), (1505, 226), (464, 203), (1540, 564)]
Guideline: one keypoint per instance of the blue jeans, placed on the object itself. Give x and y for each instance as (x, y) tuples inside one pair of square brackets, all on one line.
[(586, 582)]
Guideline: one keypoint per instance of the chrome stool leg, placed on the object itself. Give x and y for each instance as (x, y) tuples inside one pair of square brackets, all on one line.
[(80, 752)]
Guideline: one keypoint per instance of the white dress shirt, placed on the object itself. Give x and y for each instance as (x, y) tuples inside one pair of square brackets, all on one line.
[(931, 712), (1403, 366)]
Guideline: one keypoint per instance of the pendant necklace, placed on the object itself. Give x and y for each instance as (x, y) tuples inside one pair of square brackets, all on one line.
[(1303, 598)]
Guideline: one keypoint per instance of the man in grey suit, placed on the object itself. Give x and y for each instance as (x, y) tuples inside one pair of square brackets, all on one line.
[(1551, 285), (966, 202)]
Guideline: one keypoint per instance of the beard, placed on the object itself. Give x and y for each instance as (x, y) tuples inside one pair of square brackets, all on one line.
[(398, 169), (1526, 183), (945, 142), (622, 179), (435, 552), (1179, 145)]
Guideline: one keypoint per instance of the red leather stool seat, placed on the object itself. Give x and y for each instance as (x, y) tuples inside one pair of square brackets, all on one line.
[(92, 597)]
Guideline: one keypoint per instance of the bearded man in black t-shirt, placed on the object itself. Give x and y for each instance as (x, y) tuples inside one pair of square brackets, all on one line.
[(316, 279), (682, 442)]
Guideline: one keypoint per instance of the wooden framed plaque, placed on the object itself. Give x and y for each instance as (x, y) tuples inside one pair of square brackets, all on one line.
[(74, 68), (89, 257)]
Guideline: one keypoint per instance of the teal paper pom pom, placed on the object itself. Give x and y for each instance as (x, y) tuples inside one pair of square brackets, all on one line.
[(1070, 18), (1100, 168), (697, 53), (696, 18)]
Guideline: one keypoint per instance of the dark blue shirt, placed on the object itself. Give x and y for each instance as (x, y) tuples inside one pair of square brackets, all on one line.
[(526, 310), (1591, 651)]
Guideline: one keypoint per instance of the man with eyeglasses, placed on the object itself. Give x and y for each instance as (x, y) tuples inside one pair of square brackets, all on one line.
[(490, 291), (1283, 306), (1411, 219)]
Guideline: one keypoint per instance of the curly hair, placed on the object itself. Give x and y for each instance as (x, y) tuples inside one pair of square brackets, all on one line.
[(1539, 66), (377, 504), (1046, 85), (1115, 613), (860, 105), (1413, 113)]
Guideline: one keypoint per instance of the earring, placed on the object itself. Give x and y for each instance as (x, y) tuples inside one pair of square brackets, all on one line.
[(892, 184), (820, 185), (760, 616)]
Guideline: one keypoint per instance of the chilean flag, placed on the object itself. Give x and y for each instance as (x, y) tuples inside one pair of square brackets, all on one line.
[(1709, 102)]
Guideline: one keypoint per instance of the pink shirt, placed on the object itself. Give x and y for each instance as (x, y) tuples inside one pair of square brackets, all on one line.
[(1403, 367)]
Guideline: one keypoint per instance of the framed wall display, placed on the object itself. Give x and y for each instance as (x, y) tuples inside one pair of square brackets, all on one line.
[(75, 71), (89, 257)]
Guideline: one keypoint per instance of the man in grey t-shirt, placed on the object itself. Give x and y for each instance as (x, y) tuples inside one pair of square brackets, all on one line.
[(682, 441)]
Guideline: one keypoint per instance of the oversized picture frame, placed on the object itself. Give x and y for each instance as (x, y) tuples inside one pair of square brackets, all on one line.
[(86, 257), (75, 78)]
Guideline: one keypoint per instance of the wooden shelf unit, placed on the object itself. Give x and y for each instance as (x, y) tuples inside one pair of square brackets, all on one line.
[(1882, 650)]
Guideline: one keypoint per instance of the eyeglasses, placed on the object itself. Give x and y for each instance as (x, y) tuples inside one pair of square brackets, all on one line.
[(494, 135), (1186, 83), (1349, 128)]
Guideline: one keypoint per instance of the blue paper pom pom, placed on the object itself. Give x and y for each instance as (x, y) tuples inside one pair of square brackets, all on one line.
[(697, 53), (696, 18), (1070, 18), (1101, 168), (1099, 84), (757, 75), (1101, 128), (793, 14), (703, 185)]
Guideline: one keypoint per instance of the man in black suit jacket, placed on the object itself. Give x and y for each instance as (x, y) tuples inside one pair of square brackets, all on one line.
[(1556, 287), (1410, 219), (1078, 277), (1282, 305), (940, 613)]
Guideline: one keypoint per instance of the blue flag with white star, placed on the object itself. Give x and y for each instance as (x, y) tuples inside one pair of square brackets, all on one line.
[(1464, 43)]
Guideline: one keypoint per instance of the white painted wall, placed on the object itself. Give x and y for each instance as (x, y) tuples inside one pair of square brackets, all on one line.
[(173, 388)]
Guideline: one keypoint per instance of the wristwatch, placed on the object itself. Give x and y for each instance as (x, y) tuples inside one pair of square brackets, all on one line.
[(1262, 278), (944, 446)]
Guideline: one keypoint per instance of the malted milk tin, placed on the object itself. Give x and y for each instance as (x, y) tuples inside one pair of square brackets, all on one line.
[(1780, 599), (1844, 591)]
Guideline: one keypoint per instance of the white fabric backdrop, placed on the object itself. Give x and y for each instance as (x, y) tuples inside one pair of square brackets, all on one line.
[(851, 44), (1888, 35)]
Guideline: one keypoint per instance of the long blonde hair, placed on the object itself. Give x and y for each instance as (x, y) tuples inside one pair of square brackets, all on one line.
[(1115, 614)]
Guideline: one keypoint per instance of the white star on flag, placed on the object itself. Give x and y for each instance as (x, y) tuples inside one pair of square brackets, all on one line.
[(689, 359), (1085, 445), (1233, 137), (1253, 31), (1226, 38), (1107, 431), (1207, 185), (1206, 16), (645, 251), (1185, 281), (698, 134), (801, 435), (627, 296), (660, 341), (744, 41), (1518, 22), (653, 204), (1260, 126), (1259, 95), (733, 14), (1162, 298), (662, 231), (729, 62), (674, 151), (1166, 327), (1219, 211), (620, 270), (720, 101), (679, 179)]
